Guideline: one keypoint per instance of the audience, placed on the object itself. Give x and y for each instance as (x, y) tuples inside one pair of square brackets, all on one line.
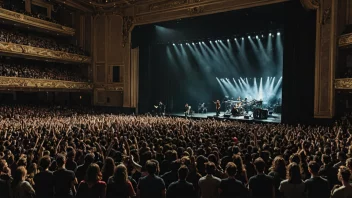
[(181, 188), (91, 186), (316, 186), (41, 70), (209, 184), (36, 15), (345, 191), (45, 151), (24, 38)]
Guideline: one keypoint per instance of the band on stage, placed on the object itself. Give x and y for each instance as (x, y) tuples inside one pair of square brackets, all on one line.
[(235, 107)]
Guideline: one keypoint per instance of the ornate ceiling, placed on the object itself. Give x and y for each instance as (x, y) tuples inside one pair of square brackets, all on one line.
[(98, 5)]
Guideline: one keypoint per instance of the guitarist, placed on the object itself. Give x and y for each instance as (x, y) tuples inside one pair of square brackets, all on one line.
[(217, 107)]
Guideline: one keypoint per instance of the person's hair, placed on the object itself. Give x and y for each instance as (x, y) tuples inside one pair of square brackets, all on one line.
[(2, 165), (259, 164), (279, 166), (231, 169), (60, 160), (89, 158), (120, 174), (18, 175), (151, 167), (326, 159), (93, 174), (293, 173), (344, 174), (237, 159), (44, 162), (183, 172), (313, 167), (210, 168), (349, 163), (109, 167)]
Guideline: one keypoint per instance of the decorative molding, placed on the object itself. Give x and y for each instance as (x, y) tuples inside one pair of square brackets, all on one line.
[(149, 12), (343, 83), (166, 4), (345, 40), (196, 10), (35, 22), (326, 16), (29, 83), (127, 26), (109, 87), (311, 4), (25, 50)]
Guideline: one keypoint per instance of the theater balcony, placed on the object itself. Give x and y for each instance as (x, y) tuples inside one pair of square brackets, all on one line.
[(24, 21), (343, 79), (17, 50), (28, 84)]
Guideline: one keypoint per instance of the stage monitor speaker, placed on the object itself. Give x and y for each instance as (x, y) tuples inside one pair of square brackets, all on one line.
[(227, 115), (246, 117)]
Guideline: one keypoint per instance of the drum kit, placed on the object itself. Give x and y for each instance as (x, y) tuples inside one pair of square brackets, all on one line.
[(240, 107)]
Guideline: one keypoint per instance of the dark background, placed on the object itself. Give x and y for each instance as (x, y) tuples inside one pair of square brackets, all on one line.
[(160, 80)]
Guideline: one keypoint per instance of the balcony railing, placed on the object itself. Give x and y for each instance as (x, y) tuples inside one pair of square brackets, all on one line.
[(41, 53), (14, 83), (35, 22)]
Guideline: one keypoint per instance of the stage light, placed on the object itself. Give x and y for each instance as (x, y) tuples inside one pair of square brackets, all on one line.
[(199, 42), (235, 39), (242, 38), (256, 37), (278, 33), (228, 40), (249, 37), (262, 36), (269, 34), (173, 44), (209, 41)]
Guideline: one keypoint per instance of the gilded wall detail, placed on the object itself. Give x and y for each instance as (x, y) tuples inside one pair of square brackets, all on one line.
[(166, 5), (14, 82), (196, 10), (127, 26), (345, 40), (177, 9), (109, 87), (25, 50), (343, 83), (27, 20)]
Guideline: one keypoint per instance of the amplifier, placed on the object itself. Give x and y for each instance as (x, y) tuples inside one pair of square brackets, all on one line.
[(260, 113)]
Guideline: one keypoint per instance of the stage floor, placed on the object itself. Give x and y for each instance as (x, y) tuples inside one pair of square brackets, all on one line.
[(274, 118)]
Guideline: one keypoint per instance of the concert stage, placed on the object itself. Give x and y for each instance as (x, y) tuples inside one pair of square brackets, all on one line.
[(273, 118)]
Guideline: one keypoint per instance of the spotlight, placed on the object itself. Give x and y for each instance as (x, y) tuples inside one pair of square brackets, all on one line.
[(209, 41), (242, 38), (228, 40), (235, 39), (262, 36), (278, 33), (199, 42), (256, 37), (192, 43), (269, 34), (249, 37), (173, 44)]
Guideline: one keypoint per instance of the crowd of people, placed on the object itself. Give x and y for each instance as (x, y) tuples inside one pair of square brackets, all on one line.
[(12, 36), (54, 152), (41, 70), (36, 15)]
